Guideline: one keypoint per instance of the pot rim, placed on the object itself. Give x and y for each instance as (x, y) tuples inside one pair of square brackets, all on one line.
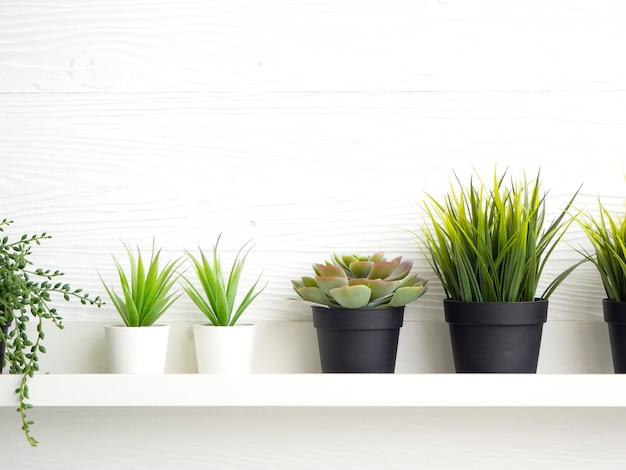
[(537, 300), (614, 311), (123, 326), (496, 313), (358, 318)]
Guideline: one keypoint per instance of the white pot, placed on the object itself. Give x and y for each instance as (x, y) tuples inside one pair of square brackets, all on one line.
[(137, 350), (224, 349)]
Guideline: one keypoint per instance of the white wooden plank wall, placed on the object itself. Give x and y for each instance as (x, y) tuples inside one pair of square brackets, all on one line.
[(307, 127)]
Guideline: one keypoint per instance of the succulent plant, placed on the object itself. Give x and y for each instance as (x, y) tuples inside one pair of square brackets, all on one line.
[(354, 281)]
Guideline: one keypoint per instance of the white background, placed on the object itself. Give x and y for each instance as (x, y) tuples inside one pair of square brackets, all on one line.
[(308, 128)]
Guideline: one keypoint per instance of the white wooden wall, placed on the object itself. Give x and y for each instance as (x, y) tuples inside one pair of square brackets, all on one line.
[(307, 127)]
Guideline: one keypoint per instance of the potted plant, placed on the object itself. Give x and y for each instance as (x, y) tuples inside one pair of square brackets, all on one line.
[(139, 346), (26, 295), (223, 346), (607, 235), (360, 309), (489, 247)]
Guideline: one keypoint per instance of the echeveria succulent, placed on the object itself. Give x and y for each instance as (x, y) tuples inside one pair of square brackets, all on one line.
[(354, 281)]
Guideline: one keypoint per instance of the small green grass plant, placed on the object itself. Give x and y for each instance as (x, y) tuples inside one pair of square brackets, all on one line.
[(146, 289), (218, 291)]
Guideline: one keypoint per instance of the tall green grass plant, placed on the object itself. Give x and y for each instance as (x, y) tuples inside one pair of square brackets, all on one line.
[(491, 244), (607, 234)]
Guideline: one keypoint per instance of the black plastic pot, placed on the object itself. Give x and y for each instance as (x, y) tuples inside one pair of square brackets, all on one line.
[(496, 337), (358, 340), (615, 317)]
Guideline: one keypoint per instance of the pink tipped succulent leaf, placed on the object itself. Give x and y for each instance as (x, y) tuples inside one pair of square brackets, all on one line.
[(352, 296), (384, 269), (316, 295), (355, 281), (361, 268), (329, 270), (345, 260), (326, 283), (382, 288), (406, 295), (402, 270), (413, 280)]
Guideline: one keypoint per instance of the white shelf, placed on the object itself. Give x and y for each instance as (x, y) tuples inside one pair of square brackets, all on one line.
[(321, 390)]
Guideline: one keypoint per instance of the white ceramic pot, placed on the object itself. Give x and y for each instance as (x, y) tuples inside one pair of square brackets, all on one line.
[(137, 350), (224, 349)]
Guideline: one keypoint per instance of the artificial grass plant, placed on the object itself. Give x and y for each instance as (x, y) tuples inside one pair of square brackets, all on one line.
[(491, 244), (607, 235), (146, 289), (217, 299)]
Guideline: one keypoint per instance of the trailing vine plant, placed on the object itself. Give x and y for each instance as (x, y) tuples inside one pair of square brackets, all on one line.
[(25, 293)]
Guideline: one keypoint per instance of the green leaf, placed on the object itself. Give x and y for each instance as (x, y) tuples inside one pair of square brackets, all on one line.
[(489, 243), (315, 295), (406, 295), (147, 288), (352, 296), (384, 269), (218, 299), (309, 281), (607, 234), (401, 271), (361, 268), (327, 283), (329, 270), (382, 288)]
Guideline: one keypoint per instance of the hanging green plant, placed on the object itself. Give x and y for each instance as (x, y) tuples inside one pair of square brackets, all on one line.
[(25, 295)]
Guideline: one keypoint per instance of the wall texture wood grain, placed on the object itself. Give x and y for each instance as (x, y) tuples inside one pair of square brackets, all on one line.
[(300, 174), (307, 127), (139, 45)]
